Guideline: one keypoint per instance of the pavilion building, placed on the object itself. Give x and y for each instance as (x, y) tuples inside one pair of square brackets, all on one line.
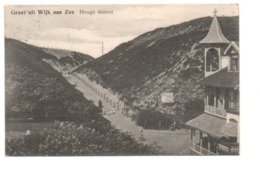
[(216, 131)]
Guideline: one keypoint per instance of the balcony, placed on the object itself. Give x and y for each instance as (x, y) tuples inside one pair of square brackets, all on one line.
[(215, 111)]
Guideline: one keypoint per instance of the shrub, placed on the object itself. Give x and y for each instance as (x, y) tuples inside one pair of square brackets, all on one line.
[(152, 119), (70, 139), (193, 109)]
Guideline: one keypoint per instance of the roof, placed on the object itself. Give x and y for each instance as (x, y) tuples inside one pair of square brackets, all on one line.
[(215, 34), (213, 125), (222, 78), (229, 129), (233, 44)]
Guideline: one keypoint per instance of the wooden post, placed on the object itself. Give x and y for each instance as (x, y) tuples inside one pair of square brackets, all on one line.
[(194, 138), (208, 144), (191, 133), (200, 141), (224, 97), (215, 97), (219, 60), (216, 145), (207, 95), (205, 61)]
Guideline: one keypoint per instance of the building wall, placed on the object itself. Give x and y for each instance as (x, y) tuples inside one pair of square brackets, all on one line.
[(225, 61), (232, 116)]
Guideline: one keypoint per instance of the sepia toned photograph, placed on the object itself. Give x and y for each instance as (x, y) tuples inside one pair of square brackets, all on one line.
[(122, 80)]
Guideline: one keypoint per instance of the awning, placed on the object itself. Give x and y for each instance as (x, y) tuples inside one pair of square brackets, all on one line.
[(213, 125), (223, 79), (229, 129)]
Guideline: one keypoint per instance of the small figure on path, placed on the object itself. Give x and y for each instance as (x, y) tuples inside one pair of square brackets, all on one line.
[(100, 105)]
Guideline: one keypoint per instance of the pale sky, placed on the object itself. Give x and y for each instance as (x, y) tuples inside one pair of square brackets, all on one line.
[(84, 33)]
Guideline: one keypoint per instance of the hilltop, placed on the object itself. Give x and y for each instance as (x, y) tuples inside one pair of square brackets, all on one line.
[(163, 60), (66, 60)]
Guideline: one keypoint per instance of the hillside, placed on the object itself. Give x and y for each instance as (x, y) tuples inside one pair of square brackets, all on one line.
[(66, 60), (35, 90), (36, 93), (164, 60)]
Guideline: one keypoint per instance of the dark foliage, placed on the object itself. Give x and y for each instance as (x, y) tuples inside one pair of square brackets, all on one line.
[(35, 90), (71, 139), (152, 119)]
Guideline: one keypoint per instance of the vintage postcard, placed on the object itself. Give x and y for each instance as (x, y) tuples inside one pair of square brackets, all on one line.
[(122, 80)]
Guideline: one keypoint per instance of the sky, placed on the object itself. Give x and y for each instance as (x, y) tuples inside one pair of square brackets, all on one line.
[(85, 33)]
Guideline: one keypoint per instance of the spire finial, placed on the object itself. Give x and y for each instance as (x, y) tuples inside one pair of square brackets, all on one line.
[(215, 12)]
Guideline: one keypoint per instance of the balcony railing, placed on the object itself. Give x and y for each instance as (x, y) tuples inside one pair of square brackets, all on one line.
[(233, 150), (201, 151), (215, 111), (233, 107), (228, 148)]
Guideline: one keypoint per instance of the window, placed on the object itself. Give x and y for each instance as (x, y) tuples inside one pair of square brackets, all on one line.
[(211, 95), (212, 60), (234, 63), (232, 99)]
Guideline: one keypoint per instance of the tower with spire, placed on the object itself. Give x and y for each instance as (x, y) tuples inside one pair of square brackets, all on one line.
[(214, 44)]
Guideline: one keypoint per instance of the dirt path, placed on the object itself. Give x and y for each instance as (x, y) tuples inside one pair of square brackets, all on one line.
[(170, 142)]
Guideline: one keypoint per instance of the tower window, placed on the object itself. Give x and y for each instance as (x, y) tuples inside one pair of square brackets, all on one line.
[(212, 60), (234, 63)]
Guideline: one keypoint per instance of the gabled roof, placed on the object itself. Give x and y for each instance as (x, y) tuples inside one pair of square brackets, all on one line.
[(215, 34), (222, 78), (233, 44), (213, 125)]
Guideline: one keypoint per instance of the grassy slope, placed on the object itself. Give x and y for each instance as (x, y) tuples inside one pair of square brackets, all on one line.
[(66, 60), (35, 90)]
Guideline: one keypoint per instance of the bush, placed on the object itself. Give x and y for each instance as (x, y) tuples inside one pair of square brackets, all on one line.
[(70, 139), (193, 109), (152, 119)]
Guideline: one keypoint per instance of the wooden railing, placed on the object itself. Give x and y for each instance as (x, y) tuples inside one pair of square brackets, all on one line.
[(201, 151), (228, 148), (233, 107), (215, 111)]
